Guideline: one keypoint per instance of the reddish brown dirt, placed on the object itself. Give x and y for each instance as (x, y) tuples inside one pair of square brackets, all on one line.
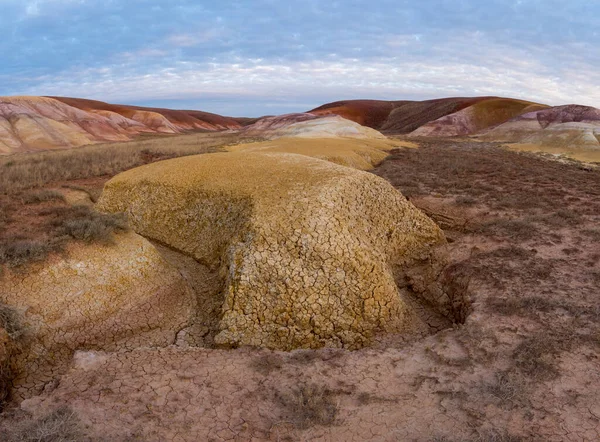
[(524, 366)]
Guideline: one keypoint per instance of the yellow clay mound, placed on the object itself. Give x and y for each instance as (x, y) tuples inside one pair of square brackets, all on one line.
[(362, 154), (100, 297), (308, 250)]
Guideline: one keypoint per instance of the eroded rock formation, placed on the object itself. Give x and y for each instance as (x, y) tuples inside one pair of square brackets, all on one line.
[(309, 250), (108, 297)]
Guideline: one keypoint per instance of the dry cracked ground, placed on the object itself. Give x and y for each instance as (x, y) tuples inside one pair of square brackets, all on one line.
[(523, 367)]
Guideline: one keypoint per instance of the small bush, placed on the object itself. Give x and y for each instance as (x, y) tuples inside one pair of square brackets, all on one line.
[(514, 229), (266, 364), (456, 281), (11, 324), (506, 387), (9, 321), (17, 252), (64, 222), (309, 405), (43, 196), (535, 357), (85, 224)]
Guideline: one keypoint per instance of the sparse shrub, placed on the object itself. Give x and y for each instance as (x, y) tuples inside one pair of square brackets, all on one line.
[(309, 405), (455, 281), (17, 252), (534, 357), (61, 425), (65, 222), (43, 196), (9, 323), (85, 224), (515, 229), (35, 170), (465, 200), (267, 363), (507, 387), (527, 306)]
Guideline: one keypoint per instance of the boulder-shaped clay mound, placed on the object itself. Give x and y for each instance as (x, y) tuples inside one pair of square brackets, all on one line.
[(311, 126), (121, 296), (309, 250)]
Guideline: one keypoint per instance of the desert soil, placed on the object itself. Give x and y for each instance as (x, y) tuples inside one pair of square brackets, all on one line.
[(524, 366)]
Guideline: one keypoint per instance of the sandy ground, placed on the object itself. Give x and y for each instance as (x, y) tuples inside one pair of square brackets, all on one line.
[(524, 366)]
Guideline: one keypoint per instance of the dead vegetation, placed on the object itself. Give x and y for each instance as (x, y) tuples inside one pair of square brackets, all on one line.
[(56, 226), (11, 332), (308, 405), (34, 170), (61, 425), (35, 220)]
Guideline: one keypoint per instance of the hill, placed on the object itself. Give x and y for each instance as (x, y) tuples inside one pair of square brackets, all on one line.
[(43, 123), (440, 117)]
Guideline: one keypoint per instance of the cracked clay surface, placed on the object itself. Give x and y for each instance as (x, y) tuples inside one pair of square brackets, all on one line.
[(113, 297)]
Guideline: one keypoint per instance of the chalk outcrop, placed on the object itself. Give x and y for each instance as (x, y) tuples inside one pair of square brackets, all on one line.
[(98, 297), (309, 251)]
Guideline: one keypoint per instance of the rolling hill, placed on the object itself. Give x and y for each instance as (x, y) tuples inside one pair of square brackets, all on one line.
[(43, 123)]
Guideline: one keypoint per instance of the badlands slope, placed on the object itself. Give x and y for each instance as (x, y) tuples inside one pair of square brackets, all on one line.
[(440, 117), (559, 127), (43, 123)]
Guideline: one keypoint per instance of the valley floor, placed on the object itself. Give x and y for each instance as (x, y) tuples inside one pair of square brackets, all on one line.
[(524, 366)]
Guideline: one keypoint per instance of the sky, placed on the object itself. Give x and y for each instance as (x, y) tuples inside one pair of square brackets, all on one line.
[(259, 57)]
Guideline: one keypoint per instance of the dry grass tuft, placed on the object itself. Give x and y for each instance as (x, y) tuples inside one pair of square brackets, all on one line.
[(61, 425), (507, 387), (17, 252), (309, 405), (11, 325), (62, 224), (85, 224), (43, 196), (535, 357), (268, 363), (456, 285)]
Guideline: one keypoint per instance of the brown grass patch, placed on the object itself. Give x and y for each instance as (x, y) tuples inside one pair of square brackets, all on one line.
[(58, 225), (42, 196), (10, 323), (308, 405), (26, 171), (61, 425)]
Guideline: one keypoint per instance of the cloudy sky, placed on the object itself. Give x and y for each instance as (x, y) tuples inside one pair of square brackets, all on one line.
[(256, 57)]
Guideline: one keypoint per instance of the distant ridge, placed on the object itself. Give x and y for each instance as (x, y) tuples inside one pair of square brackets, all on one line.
[(41, 123), (426, 118)]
